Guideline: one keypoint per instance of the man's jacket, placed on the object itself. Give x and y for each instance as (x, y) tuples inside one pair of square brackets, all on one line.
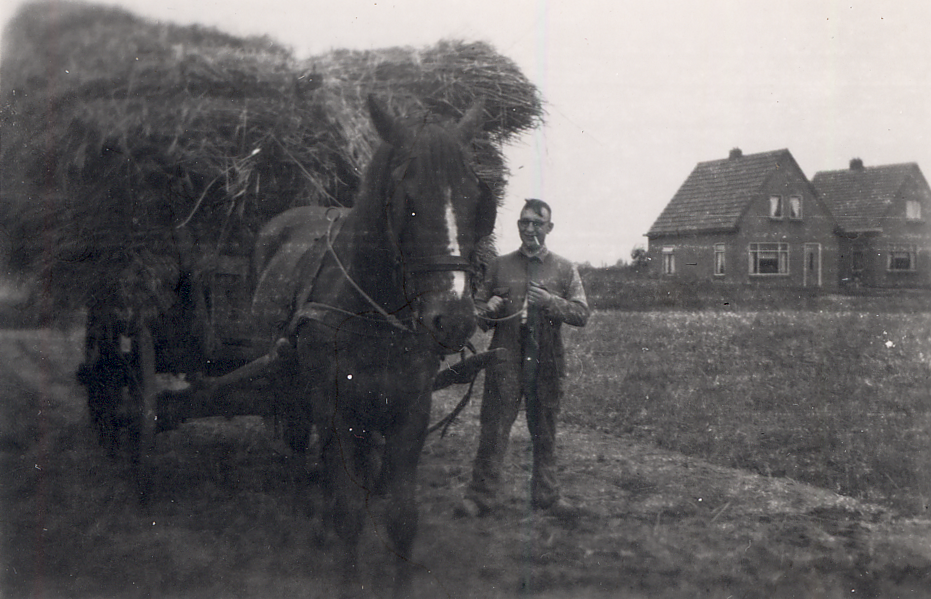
[(535, 335)]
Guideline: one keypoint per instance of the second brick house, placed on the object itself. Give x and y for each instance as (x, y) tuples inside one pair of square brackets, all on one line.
[(747, 219), (883, 231)]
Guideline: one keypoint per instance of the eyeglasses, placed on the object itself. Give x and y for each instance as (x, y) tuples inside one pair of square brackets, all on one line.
[(526, 223)]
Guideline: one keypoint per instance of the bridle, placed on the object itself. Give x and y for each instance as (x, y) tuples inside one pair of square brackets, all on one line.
[(440, 263), (415, 266)]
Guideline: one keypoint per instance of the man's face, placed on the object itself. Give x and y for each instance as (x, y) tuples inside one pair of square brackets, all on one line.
[(533, 228)]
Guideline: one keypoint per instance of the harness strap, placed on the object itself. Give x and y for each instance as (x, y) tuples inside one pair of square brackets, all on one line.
[(447, 420), (391, 318), (439, 263), (503, 318), (318, 254), (315, 311)]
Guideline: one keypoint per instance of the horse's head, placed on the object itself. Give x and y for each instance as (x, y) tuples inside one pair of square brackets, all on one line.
[(437, 211)]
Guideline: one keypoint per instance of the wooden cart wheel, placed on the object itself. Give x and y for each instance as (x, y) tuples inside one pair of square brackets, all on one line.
[(143, 409)]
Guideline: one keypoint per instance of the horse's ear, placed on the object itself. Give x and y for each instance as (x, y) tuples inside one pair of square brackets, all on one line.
[(385, 124), (471, 122)]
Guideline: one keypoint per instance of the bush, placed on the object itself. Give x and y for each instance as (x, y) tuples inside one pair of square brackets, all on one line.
[(626, 288)]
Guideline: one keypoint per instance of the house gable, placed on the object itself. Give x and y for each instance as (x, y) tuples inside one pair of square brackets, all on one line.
[(862, 198), (882, 214), (914, 189), (786, 197), (716, 194)]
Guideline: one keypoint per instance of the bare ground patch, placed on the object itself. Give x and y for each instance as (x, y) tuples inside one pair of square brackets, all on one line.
[(235, 514)]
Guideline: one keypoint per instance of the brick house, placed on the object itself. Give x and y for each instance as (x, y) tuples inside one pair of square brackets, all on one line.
[(881, 214), (753, 219)]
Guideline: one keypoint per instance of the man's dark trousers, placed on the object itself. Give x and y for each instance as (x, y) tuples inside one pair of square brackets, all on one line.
[(506, 382)]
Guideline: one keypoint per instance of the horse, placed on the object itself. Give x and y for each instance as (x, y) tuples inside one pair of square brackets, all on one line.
[(390, 295)]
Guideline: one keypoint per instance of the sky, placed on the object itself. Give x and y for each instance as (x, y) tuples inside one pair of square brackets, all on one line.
[(637, 93)]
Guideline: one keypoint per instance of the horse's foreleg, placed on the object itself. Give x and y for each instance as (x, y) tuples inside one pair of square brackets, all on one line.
[(346, 504), (403, 455)]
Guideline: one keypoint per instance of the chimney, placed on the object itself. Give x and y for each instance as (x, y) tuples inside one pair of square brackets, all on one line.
[(856, 164), (735, 154)]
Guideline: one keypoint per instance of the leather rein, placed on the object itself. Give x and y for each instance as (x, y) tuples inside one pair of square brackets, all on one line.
[(421, 265)]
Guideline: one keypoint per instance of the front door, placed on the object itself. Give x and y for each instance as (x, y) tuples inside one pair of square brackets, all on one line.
[(812, 276)]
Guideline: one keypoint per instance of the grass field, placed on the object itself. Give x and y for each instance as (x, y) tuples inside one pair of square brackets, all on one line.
[(841, 400)]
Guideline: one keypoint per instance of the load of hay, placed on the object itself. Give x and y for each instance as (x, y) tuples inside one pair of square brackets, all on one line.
[(133, 151)]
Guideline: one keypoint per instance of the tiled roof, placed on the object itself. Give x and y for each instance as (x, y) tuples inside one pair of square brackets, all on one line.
[(858, 198), (716, 193)]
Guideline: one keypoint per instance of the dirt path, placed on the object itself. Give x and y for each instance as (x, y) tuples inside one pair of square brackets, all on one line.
[(657, 523), (234, 516)]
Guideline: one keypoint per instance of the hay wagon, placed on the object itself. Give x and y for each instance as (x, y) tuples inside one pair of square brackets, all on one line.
[(140, 194), (218, 350)]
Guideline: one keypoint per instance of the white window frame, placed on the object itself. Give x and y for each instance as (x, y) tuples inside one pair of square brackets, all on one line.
[(795, 207), (669, 260), (720, 260), (775, 207), (910, 250), (912, 210), (768, 251)]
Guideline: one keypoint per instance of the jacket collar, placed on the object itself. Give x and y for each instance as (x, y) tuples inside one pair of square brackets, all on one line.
[(540, 254)]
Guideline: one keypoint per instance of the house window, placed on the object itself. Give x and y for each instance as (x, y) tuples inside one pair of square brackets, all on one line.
[(719, 259), (669, 261), (912, 210), (901, 258), (775, 207), (795, 207), (769, 258)]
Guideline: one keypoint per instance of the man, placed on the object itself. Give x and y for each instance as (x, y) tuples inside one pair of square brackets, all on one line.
[(526, 296)]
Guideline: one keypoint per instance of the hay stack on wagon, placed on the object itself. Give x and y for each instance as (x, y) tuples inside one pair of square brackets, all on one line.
[(133, 150)]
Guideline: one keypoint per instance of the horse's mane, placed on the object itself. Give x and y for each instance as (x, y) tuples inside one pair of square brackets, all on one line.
[(442, 160)]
